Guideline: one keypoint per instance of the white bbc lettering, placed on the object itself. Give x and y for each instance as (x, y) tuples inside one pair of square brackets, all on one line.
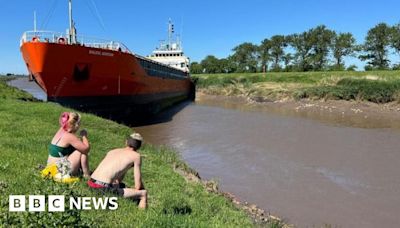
[(75, 203), (37, 203), (113, 203), (86, 203), (16, 203), (56, 203), (100, 203)]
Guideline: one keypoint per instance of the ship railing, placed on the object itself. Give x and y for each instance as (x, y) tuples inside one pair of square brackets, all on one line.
[(57, 37)]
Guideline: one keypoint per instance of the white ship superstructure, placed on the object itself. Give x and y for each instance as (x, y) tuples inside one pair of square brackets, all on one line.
[(171, 53)]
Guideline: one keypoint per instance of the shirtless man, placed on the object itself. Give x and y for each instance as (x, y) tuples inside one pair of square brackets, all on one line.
[(109, 174)]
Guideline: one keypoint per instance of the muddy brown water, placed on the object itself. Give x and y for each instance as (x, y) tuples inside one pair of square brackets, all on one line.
[(308, 167), (311, 168)]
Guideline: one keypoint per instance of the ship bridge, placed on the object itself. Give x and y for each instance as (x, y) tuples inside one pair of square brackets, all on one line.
[(171, 52)]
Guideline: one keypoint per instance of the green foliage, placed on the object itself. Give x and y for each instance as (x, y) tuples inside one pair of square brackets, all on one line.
[(221, 80), (311, 50), (213, 65), (278, 43), (196, 68), (7, 92), (395, 38), (376, 47), (373, 86), (302, 45), (26, 130), (355, 89), (264, 54), (343, 45), (245, 56), (321, 39), (69, 218)]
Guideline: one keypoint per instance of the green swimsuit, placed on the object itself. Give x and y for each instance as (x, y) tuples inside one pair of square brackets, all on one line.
[(55, 150), (58, 151)]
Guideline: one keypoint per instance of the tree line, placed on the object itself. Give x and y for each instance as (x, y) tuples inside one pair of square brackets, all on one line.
[(317, 49)]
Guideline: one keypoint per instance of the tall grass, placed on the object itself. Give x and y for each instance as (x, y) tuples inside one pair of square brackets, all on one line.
[(374, 86), (355, 89), (27, 127)]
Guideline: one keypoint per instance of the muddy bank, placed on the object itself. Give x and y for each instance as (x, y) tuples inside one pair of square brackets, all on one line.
[(349, 113), (259, 216)]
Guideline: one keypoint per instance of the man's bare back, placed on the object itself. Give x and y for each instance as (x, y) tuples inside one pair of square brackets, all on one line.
[(110, 172), (116, 163)]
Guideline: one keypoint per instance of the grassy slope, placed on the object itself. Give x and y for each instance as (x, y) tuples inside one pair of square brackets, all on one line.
[(26, 129), (374, 86)]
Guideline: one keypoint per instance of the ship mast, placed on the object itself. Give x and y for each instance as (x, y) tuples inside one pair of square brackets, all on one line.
[(72, 30), (170, 31), (34, 21)]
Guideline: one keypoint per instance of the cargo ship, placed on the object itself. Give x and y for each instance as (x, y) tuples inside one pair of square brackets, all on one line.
[(103, 76)]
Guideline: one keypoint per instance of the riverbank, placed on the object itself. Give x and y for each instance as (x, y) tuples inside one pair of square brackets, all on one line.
[(349, 113), (174, 200), (370, 95), (373, 86)]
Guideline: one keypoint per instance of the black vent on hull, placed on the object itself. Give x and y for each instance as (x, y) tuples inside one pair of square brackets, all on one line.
[(81, 72)]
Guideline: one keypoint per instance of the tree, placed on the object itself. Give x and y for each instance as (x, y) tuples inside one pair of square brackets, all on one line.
[(343, 45), (245, 56), (395, 38), (227, 65), (278, 43), (196, 68), (302, 46), (321, 39), (376, 47), (287, 59), (264, 54), (211, 65)]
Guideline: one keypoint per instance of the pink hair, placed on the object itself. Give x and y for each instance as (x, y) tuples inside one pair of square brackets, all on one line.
[(64, 120)]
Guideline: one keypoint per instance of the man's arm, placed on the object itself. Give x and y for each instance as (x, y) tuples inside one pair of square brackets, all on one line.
[(137, 173)]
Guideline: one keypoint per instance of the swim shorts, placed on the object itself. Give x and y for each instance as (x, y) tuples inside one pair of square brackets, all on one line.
[(106, 188)]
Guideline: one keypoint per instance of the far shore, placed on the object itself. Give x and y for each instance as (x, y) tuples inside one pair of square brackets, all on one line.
[(368, 94), (388, 114)]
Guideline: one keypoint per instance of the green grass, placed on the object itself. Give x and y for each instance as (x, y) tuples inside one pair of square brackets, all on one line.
[(11, 92), (27, 127), (374, 86)]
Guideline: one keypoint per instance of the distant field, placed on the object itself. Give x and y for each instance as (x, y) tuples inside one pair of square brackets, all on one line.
[(374, 86)]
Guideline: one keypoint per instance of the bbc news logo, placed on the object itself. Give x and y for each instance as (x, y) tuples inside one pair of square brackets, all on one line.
[(57, 203)]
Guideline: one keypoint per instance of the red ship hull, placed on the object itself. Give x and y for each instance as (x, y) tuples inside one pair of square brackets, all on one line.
[(101, 80)]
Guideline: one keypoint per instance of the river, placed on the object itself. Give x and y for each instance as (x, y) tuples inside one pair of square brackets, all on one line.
[(310, 168)]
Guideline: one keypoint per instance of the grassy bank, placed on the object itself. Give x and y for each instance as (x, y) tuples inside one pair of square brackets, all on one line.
[(26, 129), (374, 86)]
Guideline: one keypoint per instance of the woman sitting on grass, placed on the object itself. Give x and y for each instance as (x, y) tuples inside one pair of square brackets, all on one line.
[(66, 144)]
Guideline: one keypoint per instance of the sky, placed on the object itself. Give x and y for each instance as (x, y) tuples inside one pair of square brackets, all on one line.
[(205, 26)]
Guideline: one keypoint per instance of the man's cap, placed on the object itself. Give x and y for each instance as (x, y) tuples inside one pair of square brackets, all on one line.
[(136, 136)]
